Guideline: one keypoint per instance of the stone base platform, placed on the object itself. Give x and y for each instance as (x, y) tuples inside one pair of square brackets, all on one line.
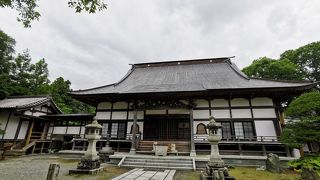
[(86, 171)]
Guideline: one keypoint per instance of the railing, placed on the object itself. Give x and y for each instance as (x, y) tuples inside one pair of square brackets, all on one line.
[(204, 138)]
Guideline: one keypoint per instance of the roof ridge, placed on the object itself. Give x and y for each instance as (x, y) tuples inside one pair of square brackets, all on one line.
[(28, 96), (235, 68), (182, 61), (289, 81)]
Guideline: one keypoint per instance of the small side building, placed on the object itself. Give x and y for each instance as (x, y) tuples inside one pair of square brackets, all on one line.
[(24, 127)]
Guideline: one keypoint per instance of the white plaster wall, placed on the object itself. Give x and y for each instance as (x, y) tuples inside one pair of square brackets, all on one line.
[(219, 103), (220, 113), (38, 108), (201, 103), (50, 129), (140, 115), (264, 113), (24, 130), (201, 114), (261, 101), (178, 111), (3, 119), (120, 105), (83, 130), (12, 127), (239, 102), (162, 111), (129, 127), (38, 114), (103, 115), (28, 113), (196, 123), (119, 115), (241, 113), (104, 105), (59, 130), (265, 128), (45, 109), (73, 130)]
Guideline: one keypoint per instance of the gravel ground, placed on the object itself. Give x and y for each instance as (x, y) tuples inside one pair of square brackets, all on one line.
[(35, 167)]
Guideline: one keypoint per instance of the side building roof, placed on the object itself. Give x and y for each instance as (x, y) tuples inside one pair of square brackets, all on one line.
[(24, 102), (200, 75)]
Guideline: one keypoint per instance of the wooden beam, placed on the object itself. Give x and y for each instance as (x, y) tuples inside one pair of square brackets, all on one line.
[(29, 133)]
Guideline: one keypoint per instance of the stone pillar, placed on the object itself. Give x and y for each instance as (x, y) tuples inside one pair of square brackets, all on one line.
[(134, 138), (53, 171), (106, 151), (192, 149)]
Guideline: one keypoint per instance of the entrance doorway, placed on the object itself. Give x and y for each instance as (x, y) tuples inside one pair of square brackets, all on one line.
[(167, 127)]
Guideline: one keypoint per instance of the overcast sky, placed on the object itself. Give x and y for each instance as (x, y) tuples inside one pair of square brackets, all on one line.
[(96, 49)]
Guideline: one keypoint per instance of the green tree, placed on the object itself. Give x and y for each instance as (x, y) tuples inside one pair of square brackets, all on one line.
[(273, 69), (6, 57), (39, 77), (28, 13), (307, 58), (21, 75), (59, 90), (305, 110)]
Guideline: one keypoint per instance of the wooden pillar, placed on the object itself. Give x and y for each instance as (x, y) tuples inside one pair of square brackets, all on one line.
[(45, 131), (29, 133), (192, 148), (134, 138)]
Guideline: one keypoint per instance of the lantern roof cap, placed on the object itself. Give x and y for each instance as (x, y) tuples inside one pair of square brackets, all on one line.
[(94, 124)]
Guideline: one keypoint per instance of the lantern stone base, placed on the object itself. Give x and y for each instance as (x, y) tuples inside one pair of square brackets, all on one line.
[(87, 166), (86, 171), (217, 172)]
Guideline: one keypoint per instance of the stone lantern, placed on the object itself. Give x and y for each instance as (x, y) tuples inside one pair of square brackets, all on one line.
[(90, 162), (215, 168)]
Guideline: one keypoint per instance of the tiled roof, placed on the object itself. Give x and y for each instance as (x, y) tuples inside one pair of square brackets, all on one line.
[(20, 102), (187, 76)]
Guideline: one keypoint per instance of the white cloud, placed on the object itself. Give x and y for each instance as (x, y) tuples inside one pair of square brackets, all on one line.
[(95, 49)]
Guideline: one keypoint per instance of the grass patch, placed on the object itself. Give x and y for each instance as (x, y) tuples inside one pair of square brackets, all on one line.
[(109, 173), (242, 173)]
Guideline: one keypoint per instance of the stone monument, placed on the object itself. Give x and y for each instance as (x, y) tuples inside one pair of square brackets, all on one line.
[(90, 162), (273, 163), (106, 151), (215, 168)]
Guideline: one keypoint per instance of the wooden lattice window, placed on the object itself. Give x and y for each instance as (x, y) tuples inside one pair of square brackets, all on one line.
[(201, 129)]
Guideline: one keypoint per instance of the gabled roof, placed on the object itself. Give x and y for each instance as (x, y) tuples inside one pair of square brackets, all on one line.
[(187, 76), (25, 102)]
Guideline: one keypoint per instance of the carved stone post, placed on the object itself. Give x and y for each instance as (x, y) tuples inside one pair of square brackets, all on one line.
[(134, 126), (192, 151), (107, 150)]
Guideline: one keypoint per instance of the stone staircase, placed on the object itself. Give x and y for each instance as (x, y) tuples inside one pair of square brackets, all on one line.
[(154, 162)]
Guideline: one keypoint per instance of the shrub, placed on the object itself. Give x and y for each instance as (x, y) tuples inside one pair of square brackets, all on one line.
[(310, 161)]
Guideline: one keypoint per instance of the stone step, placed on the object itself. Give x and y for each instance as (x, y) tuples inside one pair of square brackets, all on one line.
[(157, 167), (158, 161), (160, 164)]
